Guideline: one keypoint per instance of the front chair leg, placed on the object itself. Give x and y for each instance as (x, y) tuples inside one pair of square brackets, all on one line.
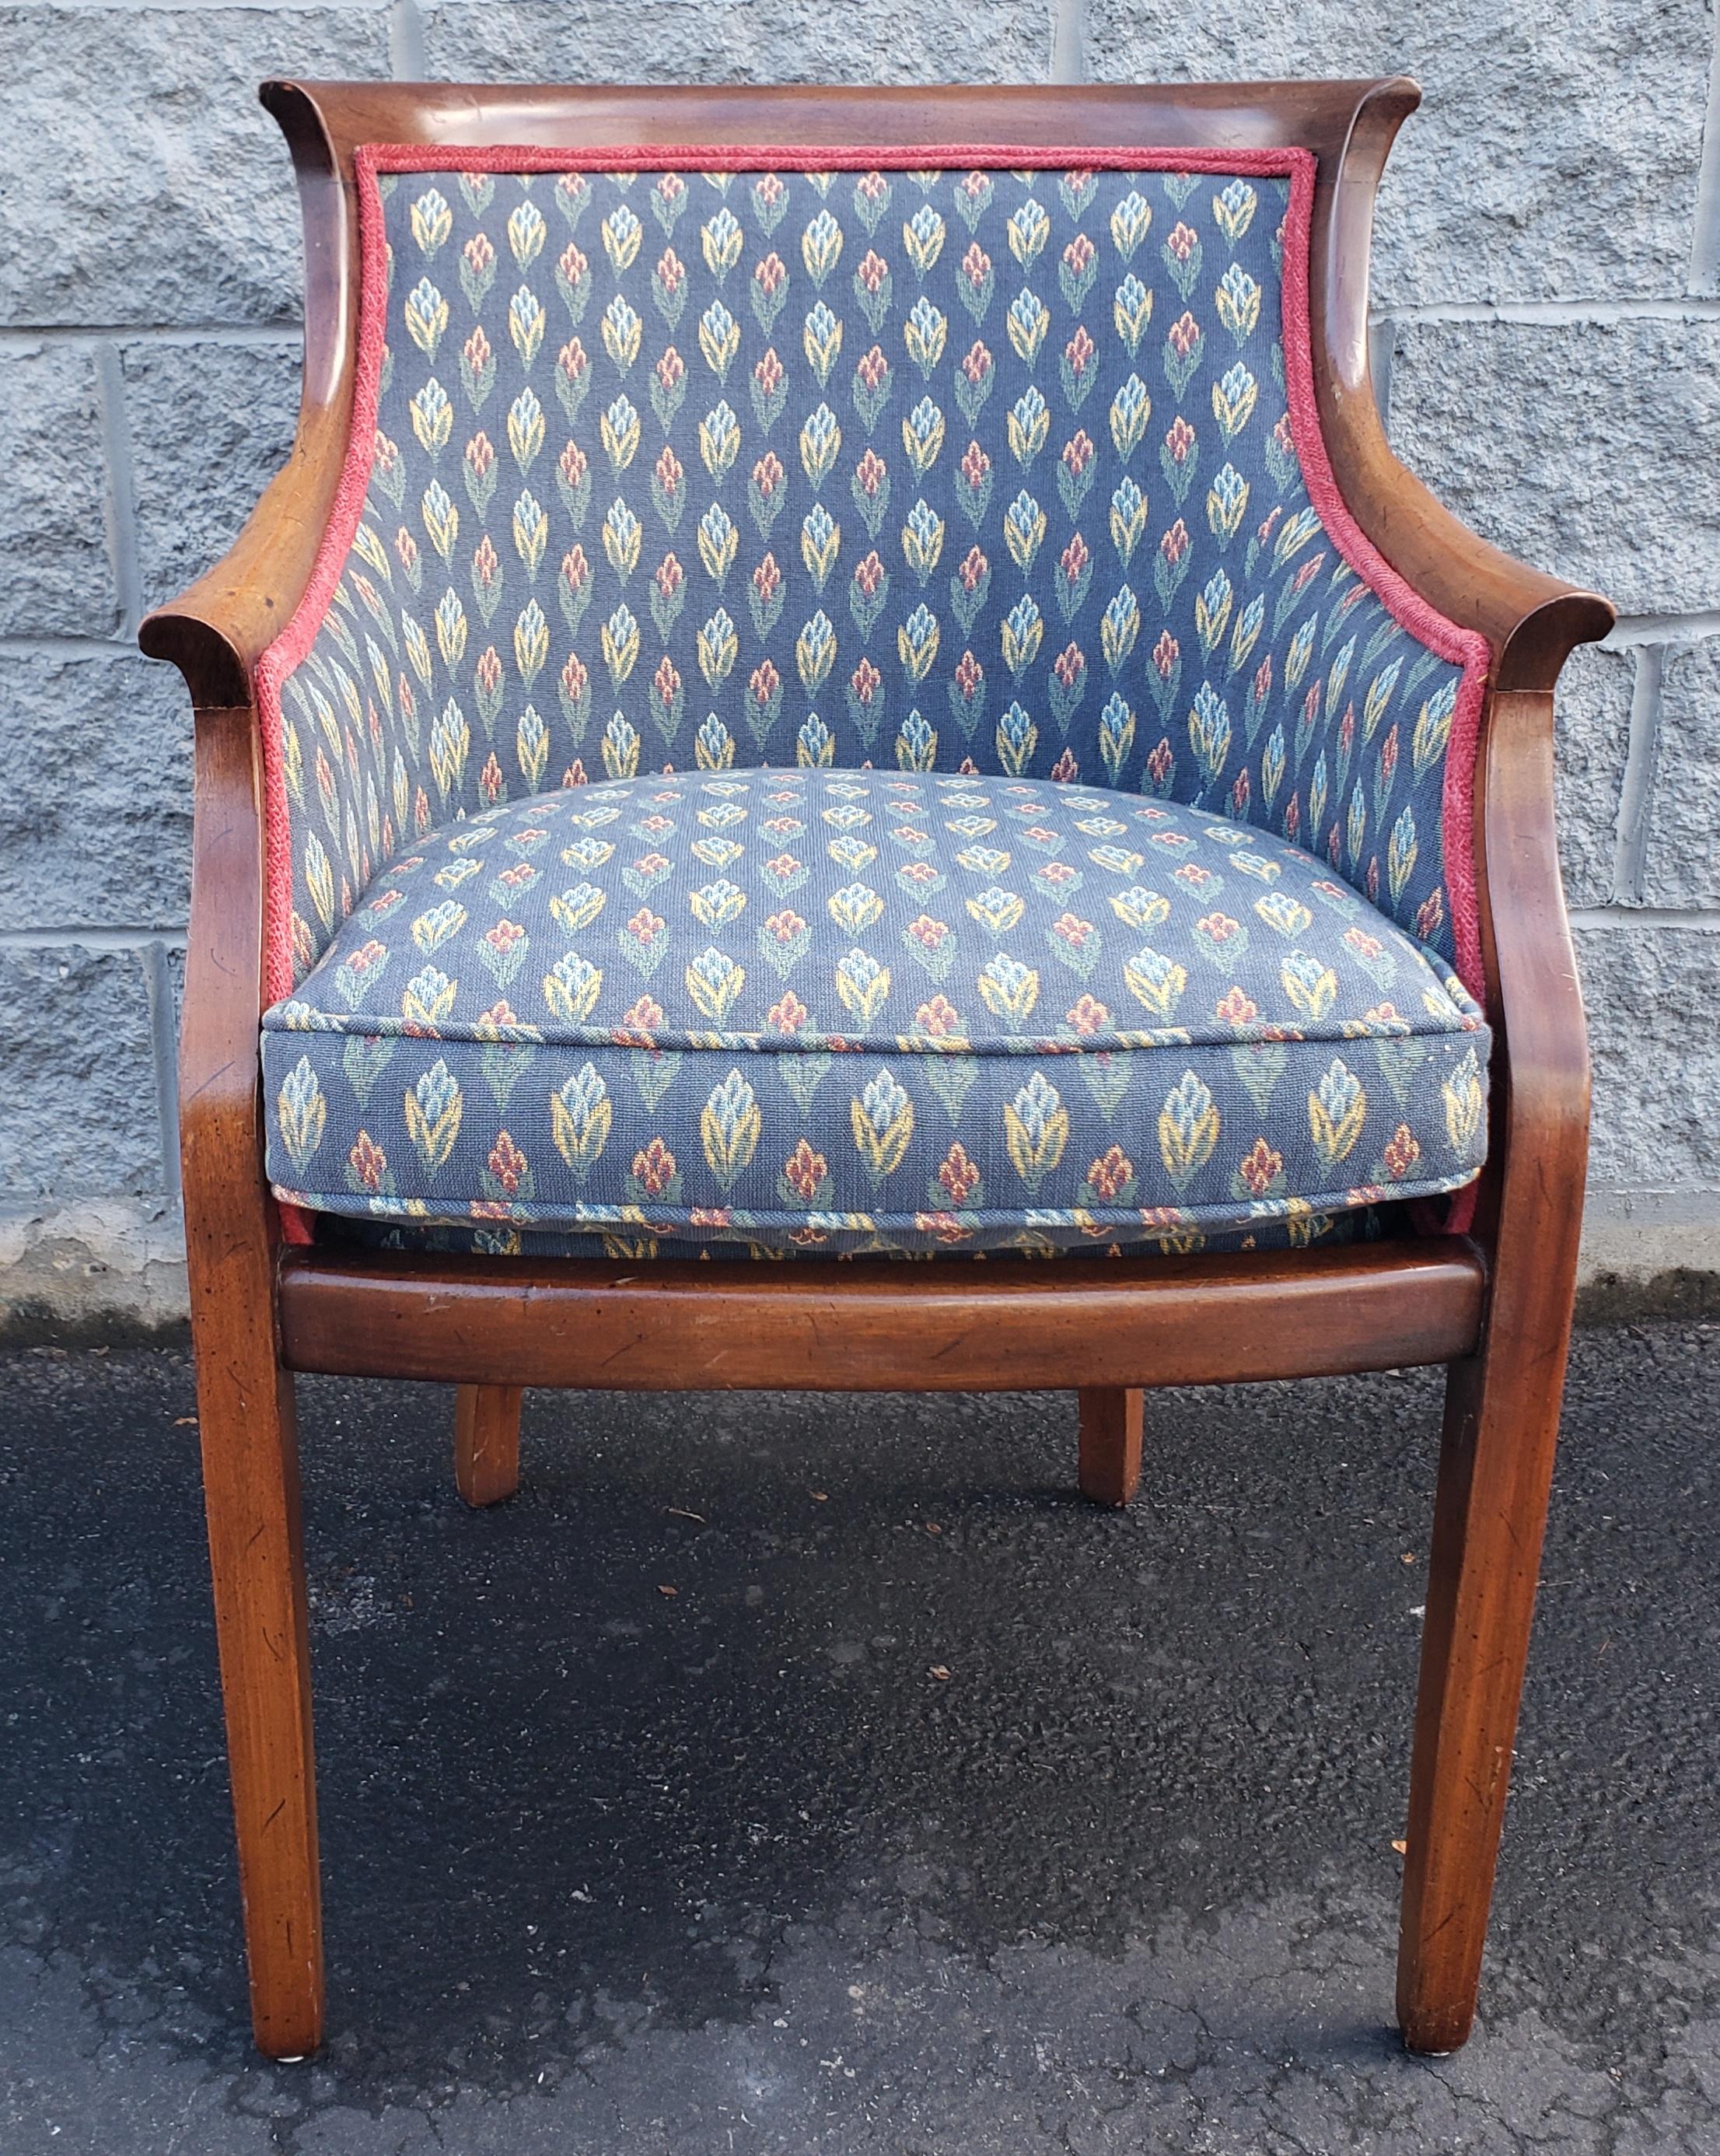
[(1110, 1458), (250, 1450), (487, 1442), (1496, 1466)]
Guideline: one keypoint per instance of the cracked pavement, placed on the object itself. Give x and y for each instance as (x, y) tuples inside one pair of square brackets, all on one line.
[(736, 1869)]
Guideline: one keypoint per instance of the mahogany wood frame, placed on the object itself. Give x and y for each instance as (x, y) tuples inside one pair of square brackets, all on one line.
[(1494, 1305)]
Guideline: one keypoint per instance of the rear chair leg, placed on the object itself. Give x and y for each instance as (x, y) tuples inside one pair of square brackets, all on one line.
[(1110, 1459), (257, 1555), (487, 1442), (1496, 1464)]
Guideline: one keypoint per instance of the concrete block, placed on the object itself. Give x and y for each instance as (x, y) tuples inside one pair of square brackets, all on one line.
[(1682, 865), (210, 425), (56, 574), (142, 182), (1577, 446), (1555, 155), (1593, 732), (95, 816), (698, 41), (1650, 994), (78, 1115)]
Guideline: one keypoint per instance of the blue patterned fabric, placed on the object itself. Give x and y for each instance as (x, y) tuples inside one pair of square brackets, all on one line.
[(862, 1010), (932, 471), (1297, 1231)]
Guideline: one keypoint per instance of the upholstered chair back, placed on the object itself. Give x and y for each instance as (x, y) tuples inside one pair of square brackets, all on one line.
[(1010, 470)]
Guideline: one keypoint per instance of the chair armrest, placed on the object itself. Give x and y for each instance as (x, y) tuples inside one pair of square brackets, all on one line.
[(1528, 948), (217, 631), (1530, 1199), (1531, 621)]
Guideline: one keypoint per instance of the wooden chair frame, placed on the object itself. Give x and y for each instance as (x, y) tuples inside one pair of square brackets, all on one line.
[(1494, 1305)]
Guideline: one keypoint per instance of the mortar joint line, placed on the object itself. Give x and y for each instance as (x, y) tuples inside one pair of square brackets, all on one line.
[(116, 646), (1068, 41), (1693, 920), (164, 1041), (1632, 630), (90, 935), (406, 41), (261, 336), (1705, 237), (1562, 313), (1636, 786), (121, 505), (1382, 350)]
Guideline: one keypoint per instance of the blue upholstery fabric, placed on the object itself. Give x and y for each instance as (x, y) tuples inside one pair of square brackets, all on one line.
[(1295, 1231), (987, 470), (859, 1011)]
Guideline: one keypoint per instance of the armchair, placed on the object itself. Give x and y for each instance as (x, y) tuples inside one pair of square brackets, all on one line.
[(847, 681)]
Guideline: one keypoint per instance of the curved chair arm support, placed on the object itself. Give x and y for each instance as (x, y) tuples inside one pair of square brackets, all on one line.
[(217, 630), (228, 1211), (1540, 1109), (1531, 621)]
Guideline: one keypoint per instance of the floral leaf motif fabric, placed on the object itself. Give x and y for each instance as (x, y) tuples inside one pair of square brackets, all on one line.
[(846, 1011), (497, 1239), (932, 471)]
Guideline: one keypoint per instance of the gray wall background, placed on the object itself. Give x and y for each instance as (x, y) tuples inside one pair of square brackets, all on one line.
[(1547, 342)]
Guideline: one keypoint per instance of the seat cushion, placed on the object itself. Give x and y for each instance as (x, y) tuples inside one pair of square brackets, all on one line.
[(857, 1009)]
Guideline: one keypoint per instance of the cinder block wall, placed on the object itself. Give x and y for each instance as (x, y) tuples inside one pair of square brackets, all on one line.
[(1547, 345)]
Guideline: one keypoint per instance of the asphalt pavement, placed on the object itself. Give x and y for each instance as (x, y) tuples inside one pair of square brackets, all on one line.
[(787, 1776)]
